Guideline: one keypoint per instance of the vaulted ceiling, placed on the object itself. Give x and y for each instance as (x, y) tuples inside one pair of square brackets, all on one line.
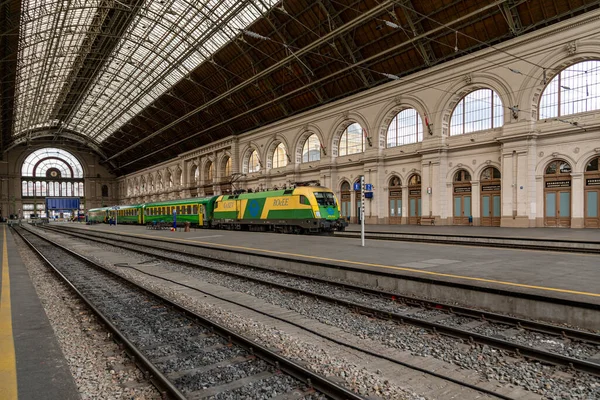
[(140, 82)]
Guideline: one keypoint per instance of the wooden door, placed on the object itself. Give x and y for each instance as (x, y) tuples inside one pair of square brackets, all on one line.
[(395, 206), (490, 209), (414, 209), (557, 208), (462, 209), (346, 205), (592, 208)]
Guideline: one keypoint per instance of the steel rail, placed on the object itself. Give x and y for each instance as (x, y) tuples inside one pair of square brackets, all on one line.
[(286, 365), (541, 327), (157, 378), (382, 273), (466, 240), (538, 354)]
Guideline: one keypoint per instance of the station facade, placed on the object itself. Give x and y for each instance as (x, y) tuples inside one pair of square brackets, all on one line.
[(507, 136)]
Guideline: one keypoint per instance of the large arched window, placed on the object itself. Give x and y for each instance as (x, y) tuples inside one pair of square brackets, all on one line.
[(227, 168), (51, 172), (311, 151), (574, 90), (208, 178), (477, 111), (352, 140), (405, 128), (196, 172), (280, 156), (253, 162)]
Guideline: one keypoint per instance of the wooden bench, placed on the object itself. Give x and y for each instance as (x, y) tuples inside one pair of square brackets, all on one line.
[(427, 221)]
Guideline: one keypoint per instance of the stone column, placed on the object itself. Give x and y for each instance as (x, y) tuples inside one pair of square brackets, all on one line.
[(475, 202), (577, 200)]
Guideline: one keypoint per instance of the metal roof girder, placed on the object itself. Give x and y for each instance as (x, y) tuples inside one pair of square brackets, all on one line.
[(423, 46)]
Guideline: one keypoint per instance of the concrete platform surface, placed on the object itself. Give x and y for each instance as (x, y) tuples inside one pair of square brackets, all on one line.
[(549, 274), (32, 364), (580, 235)]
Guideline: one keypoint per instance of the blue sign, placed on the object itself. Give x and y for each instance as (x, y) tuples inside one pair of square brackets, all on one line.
[(356, 186), (330, 210), (369, 187)]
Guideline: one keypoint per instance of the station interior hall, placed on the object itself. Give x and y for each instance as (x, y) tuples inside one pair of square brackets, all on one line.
[(456, 113), (300, 199)]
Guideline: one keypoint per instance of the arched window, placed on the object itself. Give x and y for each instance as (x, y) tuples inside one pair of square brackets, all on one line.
[(253, 162), (311, 151), (490, 173), (462, 176), (405, 128), (51, 172), (280, 156), (209, 173), (352, 140), (477, 111), (196, 173), (414, 180), (592, 166), (574, 90), (227, 168), (558, 167)]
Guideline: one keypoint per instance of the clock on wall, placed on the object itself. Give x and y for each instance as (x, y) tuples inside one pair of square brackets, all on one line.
[(54, 174)]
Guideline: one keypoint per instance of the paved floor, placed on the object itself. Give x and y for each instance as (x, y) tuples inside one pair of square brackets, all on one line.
[(32, 365), (552, 274), (584, 235)]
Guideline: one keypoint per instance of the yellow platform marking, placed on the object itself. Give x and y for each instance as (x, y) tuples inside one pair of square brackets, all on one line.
[(392, 267), (8, 365)]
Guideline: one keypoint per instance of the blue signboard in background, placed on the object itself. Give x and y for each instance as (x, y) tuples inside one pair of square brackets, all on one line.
[(369, 187), (356, 186)]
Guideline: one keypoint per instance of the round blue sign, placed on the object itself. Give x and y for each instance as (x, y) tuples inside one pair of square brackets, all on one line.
[(254, 208), (330, 210)]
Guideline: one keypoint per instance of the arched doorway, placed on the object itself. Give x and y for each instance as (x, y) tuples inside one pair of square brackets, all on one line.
[(414, 199), (557, 194), (592, 193), (462, 198), (345, 200), (490, 197), (395, 194)]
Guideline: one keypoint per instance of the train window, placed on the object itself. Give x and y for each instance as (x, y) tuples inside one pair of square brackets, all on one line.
[(178, 209), (325, 198), (289, 191), (304, 200), (189, 209), (195, 209)]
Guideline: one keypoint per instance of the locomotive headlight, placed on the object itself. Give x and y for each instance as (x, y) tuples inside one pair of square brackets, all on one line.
[(318, 214)]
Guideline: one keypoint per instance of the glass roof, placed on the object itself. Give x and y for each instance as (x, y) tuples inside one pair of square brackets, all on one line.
[(165, 40), (38, 162)]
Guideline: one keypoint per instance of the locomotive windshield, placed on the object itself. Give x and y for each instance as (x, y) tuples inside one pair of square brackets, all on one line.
[(325, 199)]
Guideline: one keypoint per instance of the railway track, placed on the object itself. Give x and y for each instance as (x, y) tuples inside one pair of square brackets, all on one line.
[(548, 343), (186, 355), (559, 245)]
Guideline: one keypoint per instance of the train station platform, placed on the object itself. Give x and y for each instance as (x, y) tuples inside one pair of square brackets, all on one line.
[(32, 365), (501, 274), (563, 234)]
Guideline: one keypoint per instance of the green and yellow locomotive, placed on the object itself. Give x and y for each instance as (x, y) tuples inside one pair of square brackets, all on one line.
[(303, 209)]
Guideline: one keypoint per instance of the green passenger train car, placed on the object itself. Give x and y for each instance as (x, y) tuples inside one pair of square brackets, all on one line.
[(97, 214), (128, 214), (298, 210), (197, 211)]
